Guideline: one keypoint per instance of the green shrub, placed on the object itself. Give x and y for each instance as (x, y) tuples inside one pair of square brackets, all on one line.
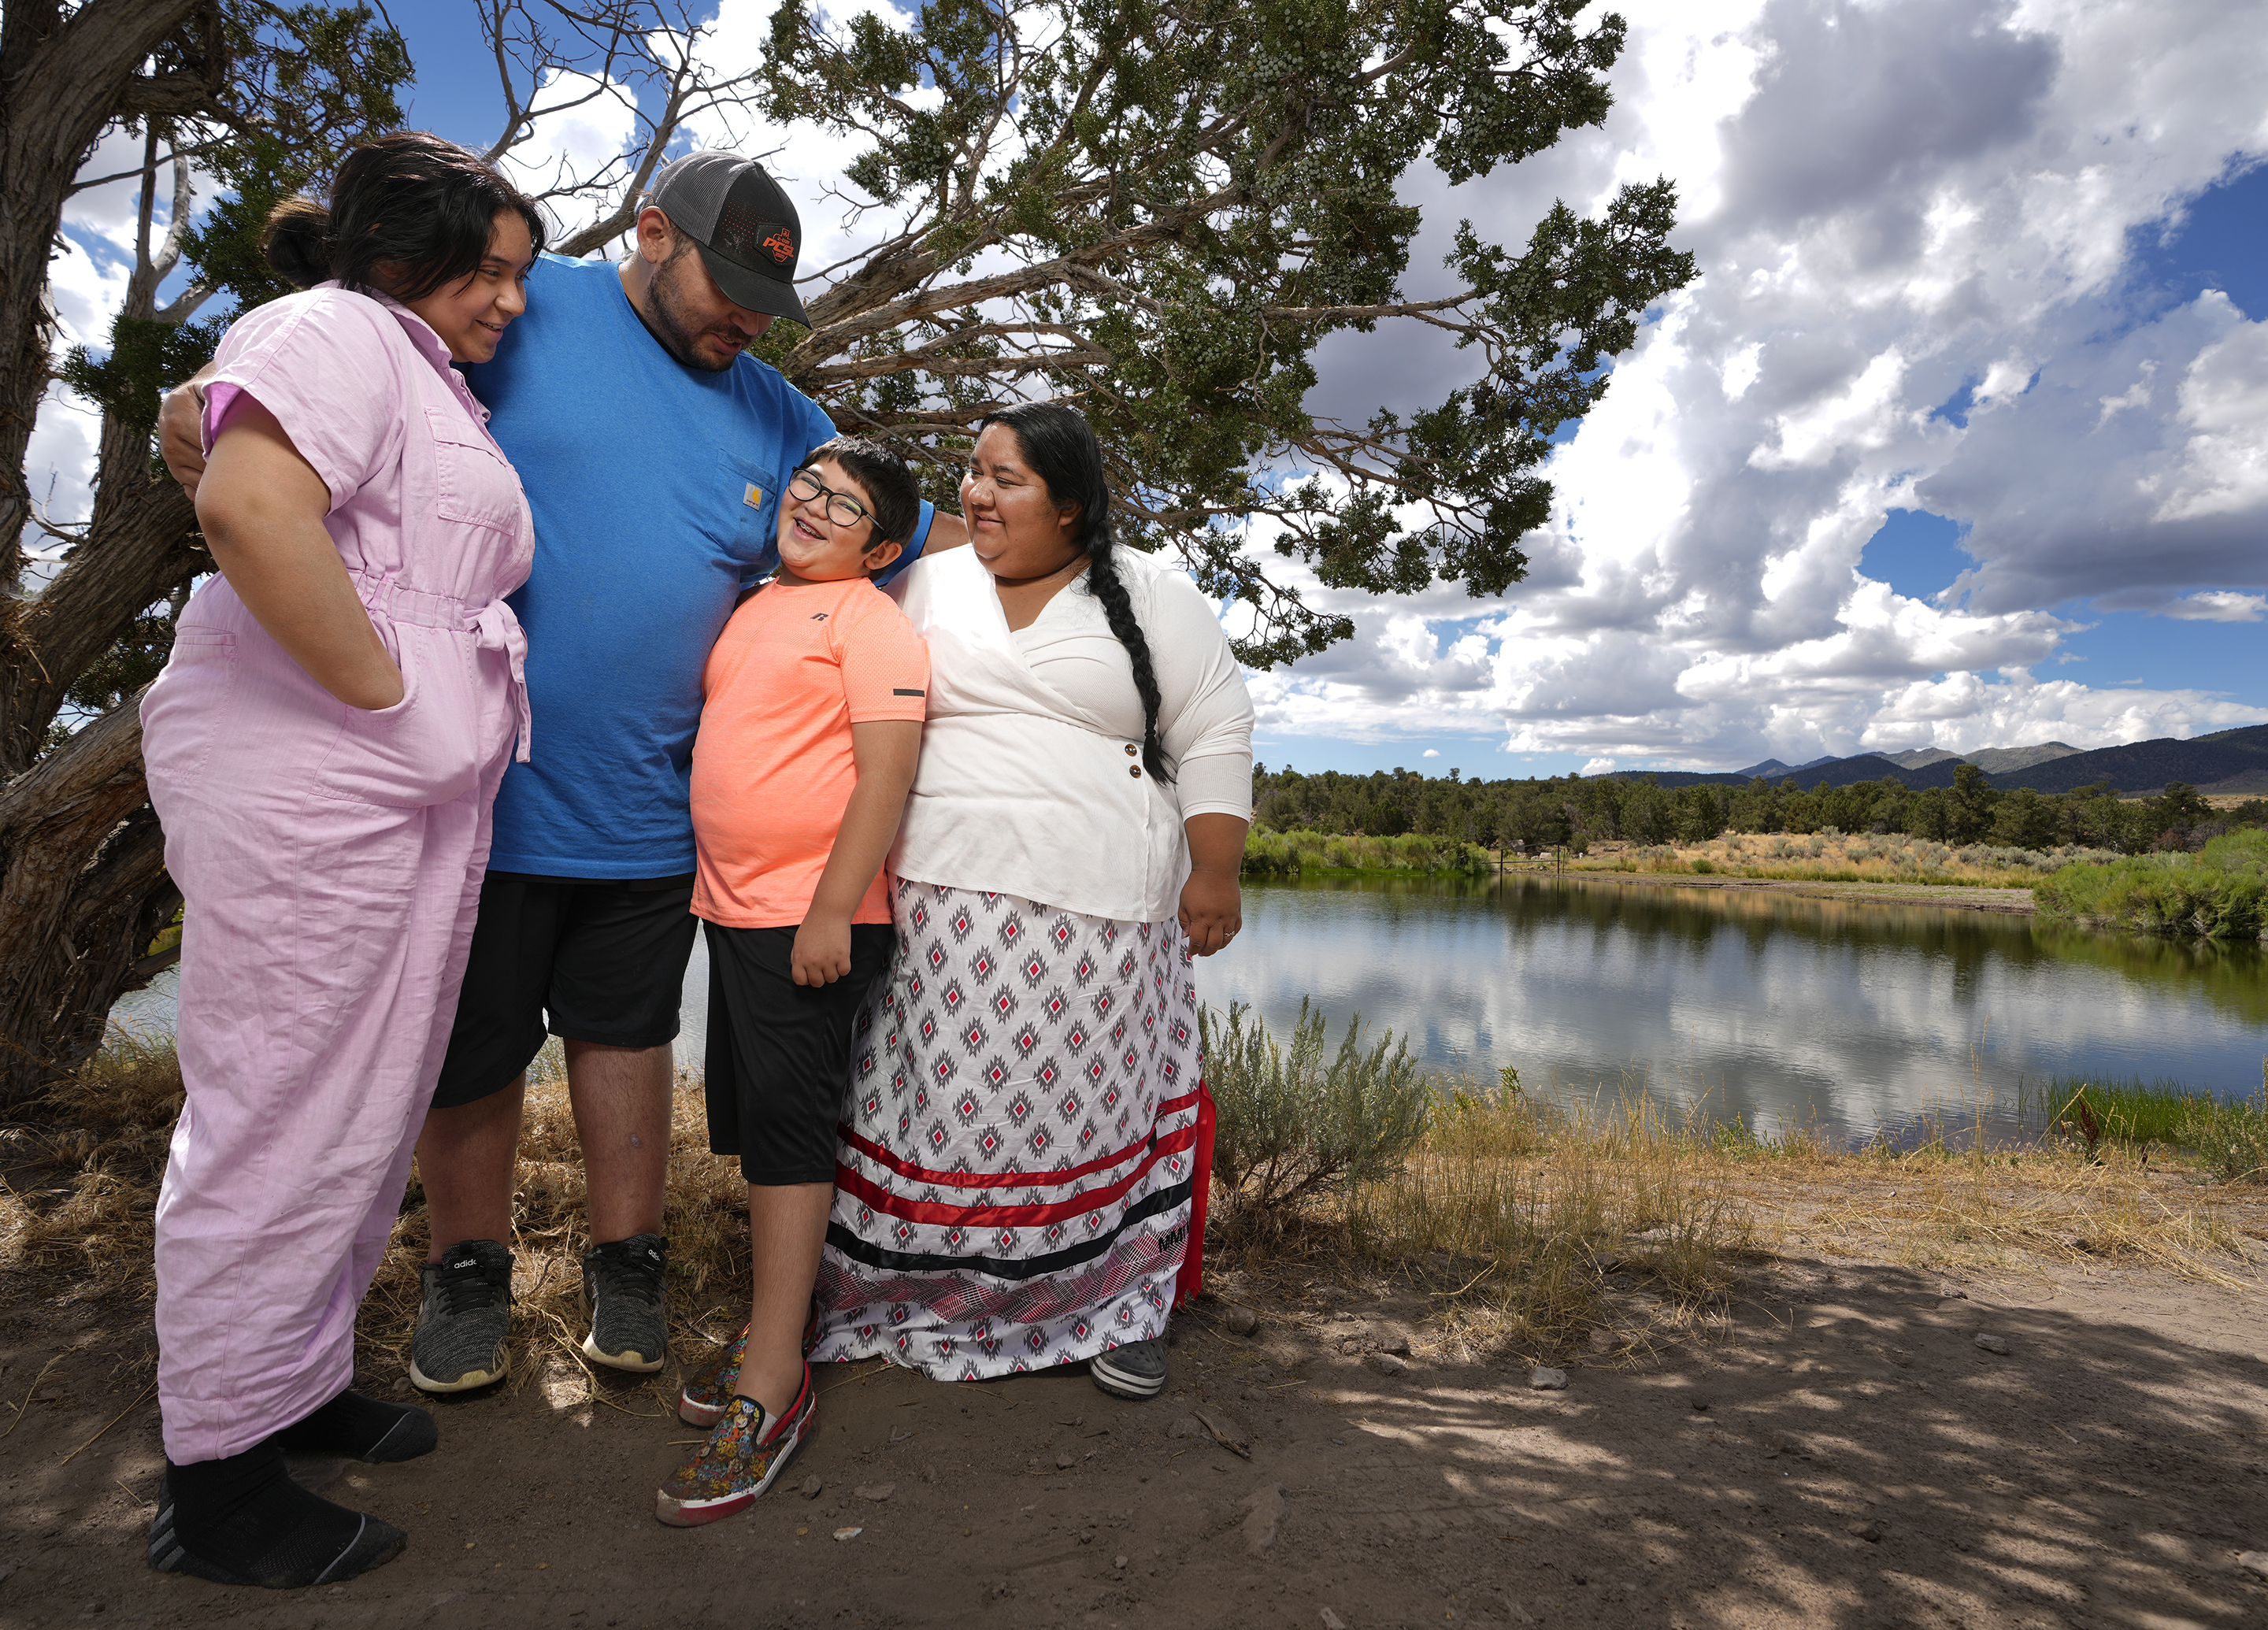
[(2229, 1138), (2221, 893), (1292, 1124), (1269, 854)]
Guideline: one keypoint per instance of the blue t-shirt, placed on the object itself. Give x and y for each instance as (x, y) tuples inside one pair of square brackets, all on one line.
[(655, 489)]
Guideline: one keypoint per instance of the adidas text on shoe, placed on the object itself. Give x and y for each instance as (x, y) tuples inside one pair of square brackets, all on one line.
[(464, 1322), (625, 1287), (746, 1452)]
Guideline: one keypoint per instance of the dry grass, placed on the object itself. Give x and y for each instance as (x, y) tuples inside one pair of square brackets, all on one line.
[(1556, 1227), (705, 1214), (2031, 1213), (105, 1132), (1561, 1226), (102, 1139), (1841, 857), (1543, 1226)]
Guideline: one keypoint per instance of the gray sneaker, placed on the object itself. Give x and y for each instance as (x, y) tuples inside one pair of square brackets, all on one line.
[(1136, 1370), (464, 1320), (625, 1288)]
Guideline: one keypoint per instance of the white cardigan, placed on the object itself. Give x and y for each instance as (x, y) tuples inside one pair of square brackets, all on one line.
[(1031, 780)]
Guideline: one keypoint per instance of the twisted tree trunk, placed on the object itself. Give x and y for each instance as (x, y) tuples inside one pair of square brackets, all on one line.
[(84, 890), (82, 887)]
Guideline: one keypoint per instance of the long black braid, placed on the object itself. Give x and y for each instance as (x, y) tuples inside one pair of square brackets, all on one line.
[(1060, 446)]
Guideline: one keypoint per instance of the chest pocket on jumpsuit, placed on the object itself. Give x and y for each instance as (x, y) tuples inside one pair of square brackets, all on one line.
[(428, 747), (473, 483)]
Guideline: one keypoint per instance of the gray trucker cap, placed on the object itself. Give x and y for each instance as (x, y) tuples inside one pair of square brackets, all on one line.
[(748, 232)]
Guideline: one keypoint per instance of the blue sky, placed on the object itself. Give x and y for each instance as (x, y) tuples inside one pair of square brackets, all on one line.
[(455, 94), (2220, 242), (1956, 441)]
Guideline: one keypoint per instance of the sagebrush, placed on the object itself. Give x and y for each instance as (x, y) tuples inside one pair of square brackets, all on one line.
[(1293, 1123)]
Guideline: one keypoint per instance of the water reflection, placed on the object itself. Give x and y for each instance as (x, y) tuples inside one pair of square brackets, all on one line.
[(1778, 1008)]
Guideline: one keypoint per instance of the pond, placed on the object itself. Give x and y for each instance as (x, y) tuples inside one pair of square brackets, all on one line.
[(1776, 1008)]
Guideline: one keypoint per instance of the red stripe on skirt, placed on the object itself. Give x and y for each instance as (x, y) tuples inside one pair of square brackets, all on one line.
[(1014, 1216), (882, 1156)]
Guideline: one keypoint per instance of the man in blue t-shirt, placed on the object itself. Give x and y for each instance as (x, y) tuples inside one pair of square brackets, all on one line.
[(654, 450)]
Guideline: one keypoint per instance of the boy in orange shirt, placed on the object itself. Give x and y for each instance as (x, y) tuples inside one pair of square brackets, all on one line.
[(811, 727)]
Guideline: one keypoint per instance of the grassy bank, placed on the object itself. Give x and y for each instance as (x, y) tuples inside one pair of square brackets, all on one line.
[(2227, 1140), (1844, 857), (1295, 854), (1828, 857), (1558, 1224), (1545, 1225), (2220, 892)]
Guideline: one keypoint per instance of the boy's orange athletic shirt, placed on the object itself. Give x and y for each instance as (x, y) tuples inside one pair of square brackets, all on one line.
[(795, 670)]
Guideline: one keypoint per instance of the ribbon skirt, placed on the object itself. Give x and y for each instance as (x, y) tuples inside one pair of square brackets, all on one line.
[(1016, 1156)]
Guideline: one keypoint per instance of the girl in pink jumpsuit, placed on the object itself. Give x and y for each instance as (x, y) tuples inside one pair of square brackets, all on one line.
[(329, 833)]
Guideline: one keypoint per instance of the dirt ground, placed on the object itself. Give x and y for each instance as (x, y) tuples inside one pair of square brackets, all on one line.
[(1843, 1452)]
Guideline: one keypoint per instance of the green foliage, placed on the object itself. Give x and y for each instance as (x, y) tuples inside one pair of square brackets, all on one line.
[(2219, 893), (1541, 815), (1176, 205), (311, 81), (304, 83), (147, 356), (2131, 1111), (1291, 854), (1293, 1122), (125, 667), (2228, 1138)]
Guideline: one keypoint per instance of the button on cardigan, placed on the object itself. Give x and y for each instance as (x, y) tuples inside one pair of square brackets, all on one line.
[(1025, 785)]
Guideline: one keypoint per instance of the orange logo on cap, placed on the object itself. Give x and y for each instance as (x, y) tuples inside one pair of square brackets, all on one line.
[(782, 246)]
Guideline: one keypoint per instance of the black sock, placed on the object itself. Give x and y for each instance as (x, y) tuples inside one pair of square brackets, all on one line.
[(351, 1424), (243, 1521)]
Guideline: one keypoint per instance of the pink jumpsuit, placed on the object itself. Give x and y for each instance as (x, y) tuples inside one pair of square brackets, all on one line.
[(330, 859)]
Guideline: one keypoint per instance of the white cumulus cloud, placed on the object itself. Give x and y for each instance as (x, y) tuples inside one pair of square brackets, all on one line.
[(1917, 225)]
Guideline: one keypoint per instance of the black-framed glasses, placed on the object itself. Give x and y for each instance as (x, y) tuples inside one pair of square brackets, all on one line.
[(842, 508)]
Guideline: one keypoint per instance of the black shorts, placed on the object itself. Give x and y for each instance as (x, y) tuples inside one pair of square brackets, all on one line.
[(779, 1052), (604, 959)]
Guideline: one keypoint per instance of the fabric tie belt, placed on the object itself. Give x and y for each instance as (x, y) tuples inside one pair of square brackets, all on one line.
[(492, 625)]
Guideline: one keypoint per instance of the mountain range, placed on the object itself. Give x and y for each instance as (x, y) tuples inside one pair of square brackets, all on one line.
[(2230, 761)]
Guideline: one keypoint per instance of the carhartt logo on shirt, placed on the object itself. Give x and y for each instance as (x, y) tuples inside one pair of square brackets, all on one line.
[(753, 497), (819, 616)]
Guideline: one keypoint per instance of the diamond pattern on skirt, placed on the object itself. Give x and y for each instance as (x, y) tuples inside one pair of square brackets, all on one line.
[(962, 1283)]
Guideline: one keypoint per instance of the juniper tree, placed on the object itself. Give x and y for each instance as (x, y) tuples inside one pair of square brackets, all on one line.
[(251, 101), (1162, 209)]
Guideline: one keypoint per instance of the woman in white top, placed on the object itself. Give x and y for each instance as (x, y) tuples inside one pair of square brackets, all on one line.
[(1018, 1170)]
